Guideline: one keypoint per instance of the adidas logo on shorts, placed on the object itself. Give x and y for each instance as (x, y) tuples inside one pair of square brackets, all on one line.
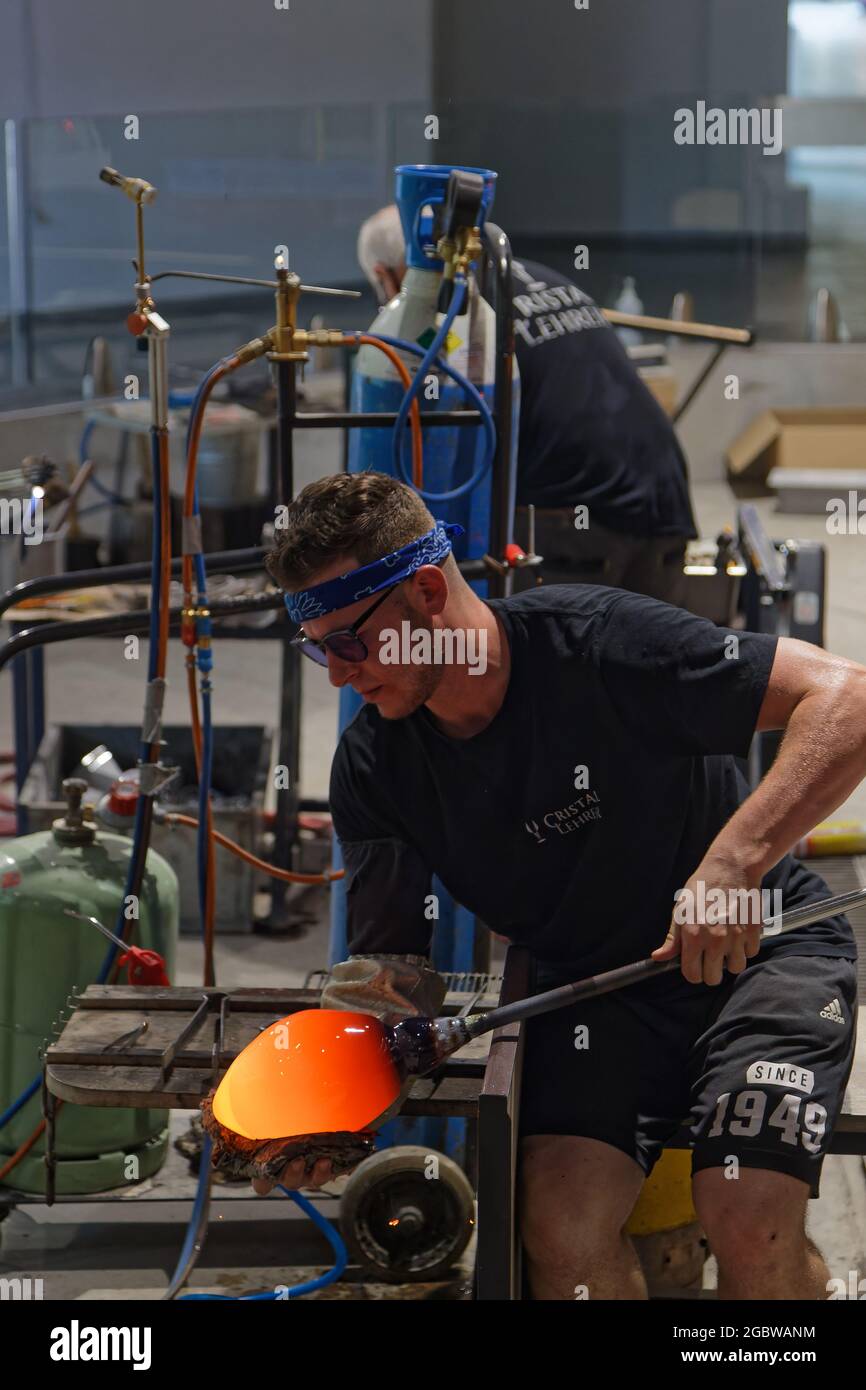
[(833, 1010)]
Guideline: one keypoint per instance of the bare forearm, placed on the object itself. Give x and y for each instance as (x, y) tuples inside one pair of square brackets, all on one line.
[(821, 760)]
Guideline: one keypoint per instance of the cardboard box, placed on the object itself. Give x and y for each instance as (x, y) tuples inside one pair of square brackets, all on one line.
[(814, 491), (803, 438)]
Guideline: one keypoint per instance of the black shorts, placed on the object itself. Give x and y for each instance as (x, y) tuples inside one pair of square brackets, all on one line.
[(755, 1067)]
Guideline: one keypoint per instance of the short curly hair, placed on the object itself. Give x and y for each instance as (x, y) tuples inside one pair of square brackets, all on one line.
[(363, 515)]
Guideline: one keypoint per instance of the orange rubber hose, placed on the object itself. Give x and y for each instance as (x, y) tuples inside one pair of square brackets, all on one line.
[(414, 414), (209, 977), (165, 530), (24, 1148), (286, 875)]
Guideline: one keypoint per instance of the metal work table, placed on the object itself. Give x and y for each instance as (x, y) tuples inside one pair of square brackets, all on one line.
[(193, 1035), (480, 1083)]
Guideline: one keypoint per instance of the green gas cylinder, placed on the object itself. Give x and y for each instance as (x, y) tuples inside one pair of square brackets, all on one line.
[(44, 954)]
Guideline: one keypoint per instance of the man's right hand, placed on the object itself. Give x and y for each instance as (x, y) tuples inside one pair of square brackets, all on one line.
[(294, 1175)]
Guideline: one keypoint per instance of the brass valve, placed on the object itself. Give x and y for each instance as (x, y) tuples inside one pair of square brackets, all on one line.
[(283, 332), (318, 337), (256, 347), (469, 247), (458, 252)]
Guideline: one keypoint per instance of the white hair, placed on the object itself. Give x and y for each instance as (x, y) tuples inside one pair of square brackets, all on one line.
[(380, 242)]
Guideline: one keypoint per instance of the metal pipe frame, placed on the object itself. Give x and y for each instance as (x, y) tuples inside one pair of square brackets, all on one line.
[(381, 419), (499, 249), (221, 562), (288, 419), (46, 634)]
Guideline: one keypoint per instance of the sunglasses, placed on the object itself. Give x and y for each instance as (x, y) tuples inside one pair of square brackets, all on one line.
[(345, 642)]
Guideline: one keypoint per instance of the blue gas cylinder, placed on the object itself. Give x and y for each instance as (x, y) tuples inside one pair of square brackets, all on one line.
[(452, 455)]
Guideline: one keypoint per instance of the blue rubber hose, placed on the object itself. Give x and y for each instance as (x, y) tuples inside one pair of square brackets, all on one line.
[(140, 826), (155, 560), (112, 497), (202, 387), (429, 357), (84, 443), (12, 1110), (329, 1231), (475, 397), (196, 1226), (202, 838), (207, 739), (204, 663), (469, 387), (432, 352), (195, 1230)]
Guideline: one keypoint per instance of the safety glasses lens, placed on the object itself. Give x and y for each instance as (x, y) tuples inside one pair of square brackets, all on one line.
[(311, 650), (344, 645), (347, 647)]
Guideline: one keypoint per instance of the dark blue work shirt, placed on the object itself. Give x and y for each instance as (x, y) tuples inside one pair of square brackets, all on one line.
[(581, 867), (591, 431)]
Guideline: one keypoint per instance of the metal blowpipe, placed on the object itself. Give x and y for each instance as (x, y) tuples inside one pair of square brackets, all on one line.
[(419, 1045)]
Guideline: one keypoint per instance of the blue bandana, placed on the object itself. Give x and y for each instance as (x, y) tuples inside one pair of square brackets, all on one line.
[(347, 589)]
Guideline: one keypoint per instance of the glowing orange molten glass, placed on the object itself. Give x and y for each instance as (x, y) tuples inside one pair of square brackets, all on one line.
[(315, 1072)]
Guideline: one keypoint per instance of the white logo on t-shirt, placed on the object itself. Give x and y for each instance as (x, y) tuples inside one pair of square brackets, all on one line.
[(586, 808)]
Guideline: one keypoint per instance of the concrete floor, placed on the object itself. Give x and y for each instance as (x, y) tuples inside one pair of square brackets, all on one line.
[(85, 1253)]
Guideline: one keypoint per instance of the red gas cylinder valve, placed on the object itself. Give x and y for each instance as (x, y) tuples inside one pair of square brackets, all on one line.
[(123, 798), (143, 967)]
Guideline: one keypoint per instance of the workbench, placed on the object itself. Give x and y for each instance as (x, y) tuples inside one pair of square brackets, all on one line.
[(480, 1083), (193, 1035)]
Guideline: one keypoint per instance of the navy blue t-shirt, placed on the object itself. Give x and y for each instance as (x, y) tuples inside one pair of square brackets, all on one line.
[(591, 431), (582, 868)]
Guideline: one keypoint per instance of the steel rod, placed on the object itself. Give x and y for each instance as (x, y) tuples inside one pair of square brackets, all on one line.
[(381, 419), (250, 280), (624, 975)]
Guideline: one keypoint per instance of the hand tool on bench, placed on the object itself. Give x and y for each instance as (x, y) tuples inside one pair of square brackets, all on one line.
[(127, 1039), (143, 966)]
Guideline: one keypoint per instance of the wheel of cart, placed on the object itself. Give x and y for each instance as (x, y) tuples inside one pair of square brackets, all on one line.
[(407, 1214)]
